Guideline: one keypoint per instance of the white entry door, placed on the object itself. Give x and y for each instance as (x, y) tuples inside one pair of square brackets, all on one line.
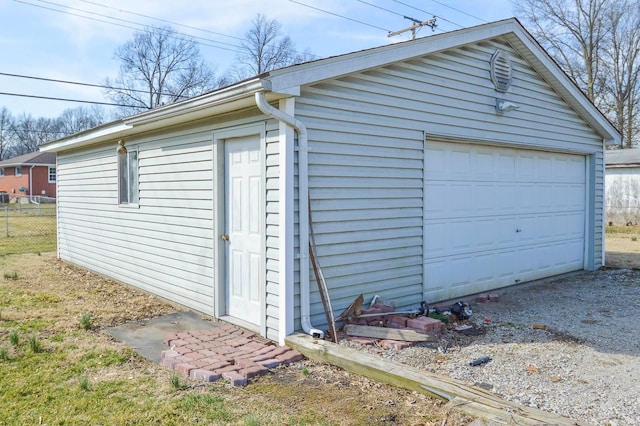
[(496, 216), (244, 206)]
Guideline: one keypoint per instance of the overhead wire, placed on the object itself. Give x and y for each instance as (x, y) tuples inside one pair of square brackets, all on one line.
[(78, 83), (340, 16), (428, 13), (200, 40), (67, 100)]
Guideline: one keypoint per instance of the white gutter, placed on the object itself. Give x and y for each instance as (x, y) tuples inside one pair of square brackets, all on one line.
[(303, 209)]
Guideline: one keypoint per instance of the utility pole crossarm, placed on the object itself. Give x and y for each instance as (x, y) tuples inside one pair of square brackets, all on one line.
[(416, 24)]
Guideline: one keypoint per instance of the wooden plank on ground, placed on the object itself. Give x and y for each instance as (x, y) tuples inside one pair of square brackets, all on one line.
[(469, 399), (387, 333)]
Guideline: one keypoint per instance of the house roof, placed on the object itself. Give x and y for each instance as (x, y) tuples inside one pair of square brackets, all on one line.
[(623, 158), (286, 82), (32, 159)]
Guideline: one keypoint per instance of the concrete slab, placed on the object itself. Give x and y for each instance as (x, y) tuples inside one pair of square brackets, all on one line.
[(146, 337)]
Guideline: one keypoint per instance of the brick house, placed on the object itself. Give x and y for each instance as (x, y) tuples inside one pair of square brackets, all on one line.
[(32, 174)]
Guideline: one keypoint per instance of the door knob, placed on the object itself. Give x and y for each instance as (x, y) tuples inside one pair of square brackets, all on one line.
[(225, 238)]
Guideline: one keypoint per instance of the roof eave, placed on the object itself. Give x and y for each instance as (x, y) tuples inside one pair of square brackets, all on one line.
[(227, 99)]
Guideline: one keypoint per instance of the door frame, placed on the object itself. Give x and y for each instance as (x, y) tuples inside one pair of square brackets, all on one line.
[(219, 223)]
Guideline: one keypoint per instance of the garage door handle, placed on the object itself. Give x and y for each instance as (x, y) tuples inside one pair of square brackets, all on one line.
[(518, 230), (225, 238)]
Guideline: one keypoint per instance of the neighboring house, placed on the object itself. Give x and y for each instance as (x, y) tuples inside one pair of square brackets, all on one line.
[(435, 168), (32, 175), (622, 186)]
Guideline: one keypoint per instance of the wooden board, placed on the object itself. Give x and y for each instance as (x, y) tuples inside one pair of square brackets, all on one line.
[(387, 333), (469, 399)]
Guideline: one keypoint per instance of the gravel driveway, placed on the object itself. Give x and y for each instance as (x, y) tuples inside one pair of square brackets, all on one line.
[(582, 362)]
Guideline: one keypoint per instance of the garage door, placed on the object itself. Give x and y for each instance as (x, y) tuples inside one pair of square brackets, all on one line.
[(498, 216)]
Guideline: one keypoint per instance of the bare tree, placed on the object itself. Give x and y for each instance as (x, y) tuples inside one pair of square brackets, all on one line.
[(574, 32), (6, 132), (74, 120), (266, 48), (621, 70), (30, 132), (159, 66)]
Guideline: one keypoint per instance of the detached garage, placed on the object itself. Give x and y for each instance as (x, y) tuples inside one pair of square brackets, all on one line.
[(427, 170)]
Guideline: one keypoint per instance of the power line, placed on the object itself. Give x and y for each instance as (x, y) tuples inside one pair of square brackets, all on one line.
[(83, 84), (381, 8), (340, 16), (162, 20), (428, 13), (460, 11), (196, 38), (67, 100)]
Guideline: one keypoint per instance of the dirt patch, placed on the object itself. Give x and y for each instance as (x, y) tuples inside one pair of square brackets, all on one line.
[(85, 376), (623, 252)]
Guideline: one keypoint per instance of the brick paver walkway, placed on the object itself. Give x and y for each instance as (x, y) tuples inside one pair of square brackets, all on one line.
[(227, 352)]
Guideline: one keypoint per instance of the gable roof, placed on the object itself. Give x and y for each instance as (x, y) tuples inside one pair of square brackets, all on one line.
[(286, 82), (623, 158), (32, 159)]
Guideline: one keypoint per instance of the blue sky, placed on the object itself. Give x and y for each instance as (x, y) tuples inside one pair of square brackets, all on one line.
[(74, 40)]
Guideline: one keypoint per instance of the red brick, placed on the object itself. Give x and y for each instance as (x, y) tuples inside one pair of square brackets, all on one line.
[(194, 347), (184, 368), (182, 350), (394, 324), (383, 308), (483, 298), (269, 363), (289, 357), (235, 378), (358, 321), (261, 357), (395, 344), (169, 337), (224, 350), (244, 363), (216, 365), (425, 324), (169, 353), (278, 350), (202, 362), (178, 342), (237, 342), (205, 375), (253, 371), (365, 341), (226, 369), (183, 335), (494, 297)]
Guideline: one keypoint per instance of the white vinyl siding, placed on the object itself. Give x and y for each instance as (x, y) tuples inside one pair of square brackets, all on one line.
[(366, 158), (165, 246)]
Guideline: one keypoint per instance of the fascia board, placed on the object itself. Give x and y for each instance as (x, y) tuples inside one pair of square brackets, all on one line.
[(109, 131)]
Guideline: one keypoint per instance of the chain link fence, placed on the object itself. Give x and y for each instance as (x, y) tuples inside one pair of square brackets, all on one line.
[(28, 225)]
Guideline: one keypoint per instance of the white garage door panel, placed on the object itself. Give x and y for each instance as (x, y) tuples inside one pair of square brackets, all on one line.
[(497, 216)]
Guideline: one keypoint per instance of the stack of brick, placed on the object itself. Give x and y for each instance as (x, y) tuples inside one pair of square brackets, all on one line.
[(420, 324), (226, 352)]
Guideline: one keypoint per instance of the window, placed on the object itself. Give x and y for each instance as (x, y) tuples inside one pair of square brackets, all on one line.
[(52, 175), (128, 176), (18, 171), (2, 172)]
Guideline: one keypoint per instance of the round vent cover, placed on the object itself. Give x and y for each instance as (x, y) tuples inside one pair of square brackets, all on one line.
[(501, 71)]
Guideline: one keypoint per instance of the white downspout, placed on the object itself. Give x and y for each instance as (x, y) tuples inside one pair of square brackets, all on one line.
[(303, 208), (31, 184)]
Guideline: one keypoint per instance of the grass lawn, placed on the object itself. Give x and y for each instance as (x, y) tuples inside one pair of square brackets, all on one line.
[(58, 366), (27, 229)]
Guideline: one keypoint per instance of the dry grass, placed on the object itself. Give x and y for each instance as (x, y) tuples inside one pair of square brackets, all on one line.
[(622, 247), (85, 377)]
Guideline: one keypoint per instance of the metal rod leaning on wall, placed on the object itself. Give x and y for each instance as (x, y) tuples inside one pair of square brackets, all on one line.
[(322, 284)]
